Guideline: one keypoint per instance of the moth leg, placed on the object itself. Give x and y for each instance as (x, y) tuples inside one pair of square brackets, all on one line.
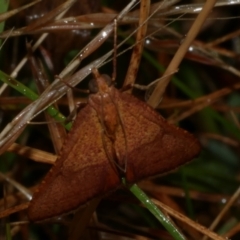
[(127, 87), (74, 107), (71, 87), (138, 86)]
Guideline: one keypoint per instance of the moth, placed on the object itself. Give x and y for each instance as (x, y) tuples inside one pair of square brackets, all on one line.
[(114, 135)]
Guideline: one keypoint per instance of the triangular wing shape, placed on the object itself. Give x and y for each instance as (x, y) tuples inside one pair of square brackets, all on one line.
[(153, 145), (114, 132), (80, 173)]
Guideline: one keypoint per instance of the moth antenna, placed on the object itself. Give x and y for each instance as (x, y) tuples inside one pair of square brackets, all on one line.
[(109, 156), (125, 140), (114, 74), (125, 137), (104, 132)]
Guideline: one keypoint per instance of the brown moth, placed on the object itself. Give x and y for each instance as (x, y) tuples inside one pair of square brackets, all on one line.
[(115, 135)]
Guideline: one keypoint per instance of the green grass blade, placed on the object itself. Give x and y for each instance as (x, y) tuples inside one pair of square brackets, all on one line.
[(33, 96), (144, 199)]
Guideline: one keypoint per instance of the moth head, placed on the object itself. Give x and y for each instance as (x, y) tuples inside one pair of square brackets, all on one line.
[(100, 83)]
